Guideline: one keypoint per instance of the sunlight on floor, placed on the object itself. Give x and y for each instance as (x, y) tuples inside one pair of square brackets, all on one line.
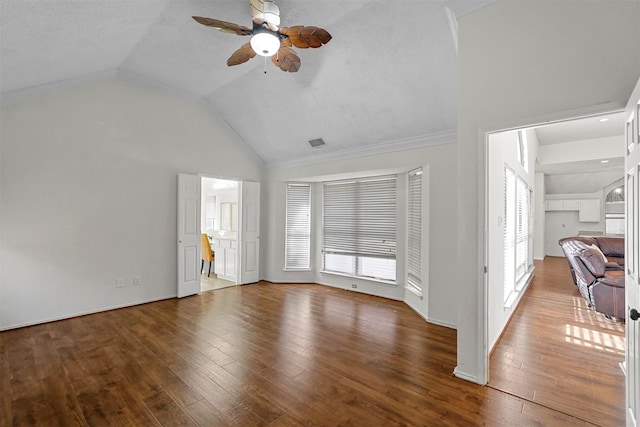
[(594, 339), (587, 315), (587, 335)]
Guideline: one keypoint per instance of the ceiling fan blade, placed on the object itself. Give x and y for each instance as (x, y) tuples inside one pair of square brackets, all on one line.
[(266, 12), (241, 55), (286, 59), (304, 37), (225, 27)]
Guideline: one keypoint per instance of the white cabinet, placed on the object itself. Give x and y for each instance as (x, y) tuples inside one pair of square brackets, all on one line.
[(589, 210), (554, 205), (572, 205), (226, 251), (562, 205)]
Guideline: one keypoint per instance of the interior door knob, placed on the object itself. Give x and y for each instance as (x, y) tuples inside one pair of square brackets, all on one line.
[(633, 314)]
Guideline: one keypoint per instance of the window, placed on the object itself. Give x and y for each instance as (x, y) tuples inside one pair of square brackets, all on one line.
[(518, 233), (297, 245), (414, 235), (614, 223), (523, 150), (522, 228), (509, 231), (359, 230), (530, 237), (614, 211)]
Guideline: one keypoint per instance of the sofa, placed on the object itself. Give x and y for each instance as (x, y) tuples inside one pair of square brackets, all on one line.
[(597, 269)]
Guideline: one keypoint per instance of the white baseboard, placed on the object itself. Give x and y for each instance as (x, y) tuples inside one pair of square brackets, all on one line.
[(83, 313), (462, 375)]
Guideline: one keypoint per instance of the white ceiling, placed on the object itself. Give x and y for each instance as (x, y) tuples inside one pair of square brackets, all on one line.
[(583, 175), (600, 126), (388, 74)]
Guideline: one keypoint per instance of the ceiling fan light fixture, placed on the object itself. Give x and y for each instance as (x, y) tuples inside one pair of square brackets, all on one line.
[(267, 37), (265, 43)]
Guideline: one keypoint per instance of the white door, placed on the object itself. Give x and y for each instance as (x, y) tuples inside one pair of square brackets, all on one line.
[(632, 256), (249, 237), (188, 235)]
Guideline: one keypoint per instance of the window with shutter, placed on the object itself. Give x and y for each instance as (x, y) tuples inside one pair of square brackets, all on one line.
[(530, 237), (359, 227), (297, 247), (414, 235), (509, 231), (518, 234), (522, 228)]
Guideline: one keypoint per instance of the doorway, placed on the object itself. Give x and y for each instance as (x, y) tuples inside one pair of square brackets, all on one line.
[(235, 231), (554, 170), (219, 223), (562, 175)]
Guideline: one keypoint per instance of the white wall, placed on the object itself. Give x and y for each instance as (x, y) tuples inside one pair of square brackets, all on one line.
[(89, 181), (440, 164), (524, 63), (502, 150)]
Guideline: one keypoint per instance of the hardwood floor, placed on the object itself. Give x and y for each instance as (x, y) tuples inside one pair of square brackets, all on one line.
[(280, 355), (560, 353)]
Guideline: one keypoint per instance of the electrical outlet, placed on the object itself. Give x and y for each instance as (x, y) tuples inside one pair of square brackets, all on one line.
[(137, 280), (354, 286), (119, 283)]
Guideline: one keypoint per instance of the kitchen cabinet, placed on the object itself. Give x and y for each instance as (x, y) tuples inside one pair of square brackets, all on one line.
[(562, 205), (554, 205), (589, 210)]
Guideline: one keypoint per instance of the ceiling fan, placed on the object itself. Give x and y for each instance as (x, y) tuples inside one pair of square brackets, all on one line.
[(268, 38)]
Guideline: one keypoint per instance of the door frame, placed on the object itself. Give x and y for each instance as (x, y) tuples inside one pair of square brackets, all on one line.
[(200, 177), (481, 323)]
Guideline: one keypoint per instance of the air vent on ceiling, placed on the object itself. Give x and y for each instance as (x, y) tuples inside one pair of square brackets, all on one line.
[(316, 142)]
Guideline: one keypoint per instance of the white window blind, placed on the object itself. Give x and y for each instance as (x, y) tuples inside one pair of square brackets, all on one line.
[(359, 230), (509, 231), (414, 249), (522, 228), (298, 227), (530, 237), (518, 233)]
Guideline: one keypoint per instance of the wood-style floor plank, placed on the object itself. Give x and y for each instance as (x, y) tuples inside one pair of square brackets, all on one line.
[(305, 355), (560, 353)]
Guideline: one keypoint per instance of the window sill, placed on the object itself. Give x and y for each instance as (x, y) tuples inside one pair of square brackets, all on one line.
[(368, 279), (296, 269), (510, 300), (522, 284), (417, 292)]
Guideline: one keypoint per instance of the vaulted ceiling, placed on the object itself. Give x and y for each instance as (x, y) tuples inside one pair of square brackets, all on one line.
[(388, 74), (388, 77)]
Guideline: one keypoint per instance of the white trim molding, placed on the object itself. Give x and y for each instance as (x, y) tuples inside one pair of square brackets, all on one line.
[(421, 141)]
